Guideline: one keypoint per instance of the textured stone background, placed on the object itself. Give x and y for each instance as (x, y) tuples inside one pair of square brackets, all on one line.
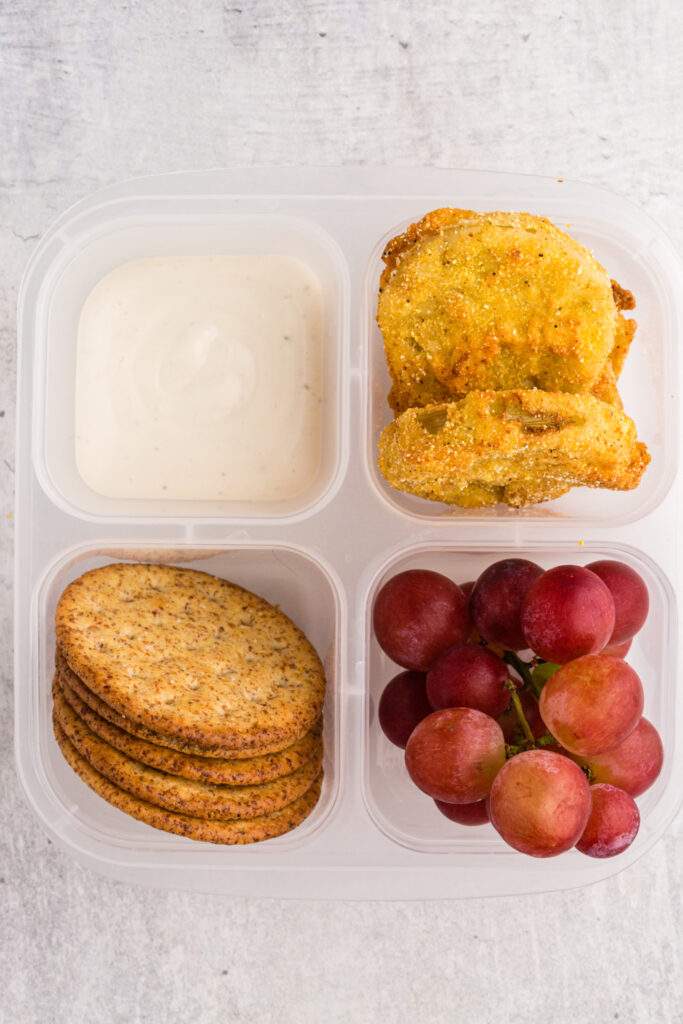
[(91, 92)]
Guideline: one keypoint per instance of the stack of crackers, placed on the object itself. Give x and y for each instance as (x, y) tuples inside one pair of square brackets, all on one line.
[(188, 702)]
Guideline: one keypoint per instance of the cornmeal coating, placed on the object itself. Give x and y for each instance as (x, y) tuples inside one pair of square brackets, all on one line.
[(515, 447), (497, 301)]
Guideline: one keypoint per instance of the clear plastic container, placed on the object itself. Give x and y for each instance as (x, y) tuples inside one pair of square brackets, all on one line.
[(322, 558)]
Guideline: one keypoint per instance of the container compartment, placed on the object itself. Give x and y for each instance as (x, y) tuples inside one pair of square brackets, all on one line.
[(633, 257), (289, 577), (88, 252), (408, 816)]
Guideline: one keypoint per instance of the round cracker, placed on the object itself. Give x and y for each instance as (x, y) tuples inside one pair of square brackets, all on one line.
[(253, 830), (248, 771), (101, 708), (190, 655), (184, 796)]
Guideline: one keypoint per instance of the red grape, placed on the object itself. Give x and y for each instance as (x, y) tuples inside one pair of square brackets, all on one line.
[(402, 705), (509, 722), (468, 676), (634, 764), (630, 596), (539, 803), (455, 754), (566, 613), (472, 635), (618, 650), (417, 615), (613, 822), (467, 588), (592, 704), (465, 814), (496, 601)]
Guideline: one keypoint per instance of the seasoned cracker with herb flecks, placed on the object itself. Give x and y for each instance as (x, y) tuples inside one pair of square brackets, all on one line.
[(234, 832), (184, 796), (191, 656)]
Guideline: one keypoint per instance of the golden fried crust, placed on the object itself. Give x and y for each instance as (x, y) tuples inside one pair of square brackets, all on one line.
[(431, 224), (626, 329), (513, 447), (623, 298), (429, 391), (473, 301), (605, 387)]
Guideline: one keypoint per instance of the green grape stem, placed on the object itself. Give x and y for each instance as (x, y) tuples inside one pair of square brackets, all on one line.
[(514, 748), (523, 669), (519, 711)]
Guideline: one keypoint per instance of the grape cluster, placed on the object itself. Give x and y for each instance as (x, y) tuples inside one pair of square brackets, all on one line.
[(517, 707)]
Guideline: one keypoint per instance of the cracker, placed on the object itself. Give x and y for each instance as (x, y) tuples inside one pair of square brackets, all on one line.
[(190, 655), (244, 772), (184, 796), (254, 830), (70, 679)]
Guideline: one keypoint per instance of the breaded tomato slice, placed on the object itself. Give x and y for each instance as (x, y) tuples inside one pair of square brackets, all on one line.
[(511, 447), (496, 301)]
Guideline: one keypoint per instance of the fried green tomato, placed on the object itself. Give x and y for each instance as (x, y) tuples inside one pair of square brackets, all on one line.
[(511, 447), (496, 301)]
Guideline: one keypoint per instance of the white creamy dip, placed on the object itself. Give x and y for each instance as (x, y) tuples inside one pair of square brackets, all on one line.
[(201, 378)]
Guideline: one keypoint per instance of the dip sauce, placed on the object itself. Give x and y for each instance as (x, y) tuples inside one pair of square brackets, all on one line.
[(200, 378)]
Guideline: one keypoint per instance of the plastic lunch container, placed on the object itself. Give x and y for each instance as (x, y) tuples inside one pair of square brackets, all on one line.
[(323, 557)]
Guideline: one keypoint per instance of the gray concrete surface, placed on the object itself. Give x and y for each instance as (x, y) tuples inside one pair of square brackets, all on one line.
[(91, 92)]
